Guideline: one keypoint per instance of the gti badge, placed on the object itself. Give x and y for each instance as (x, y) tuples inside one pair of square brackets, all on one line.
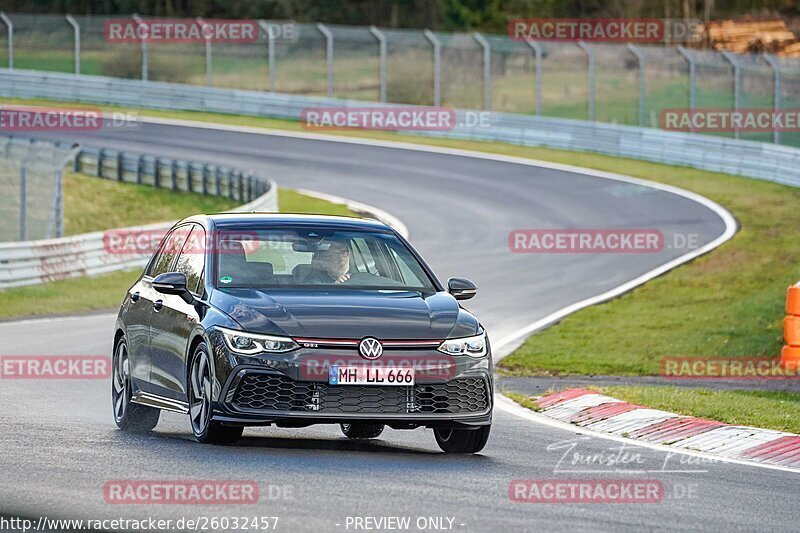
[(370, 348)]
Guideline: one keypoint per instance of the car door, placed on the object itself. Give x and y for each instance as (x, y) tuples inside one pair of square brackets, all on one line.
[(173, 319), (137, 318)]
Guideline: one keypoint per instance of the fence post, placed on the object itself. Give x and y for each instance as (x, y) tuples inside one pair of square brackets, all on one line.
[(99, 169), (59, 207), (590, 58), (156, 173), (173, 175), (776, 98), (487, 70), (437, 67), (692, 76), (76, 30), (640, 59), (207, 40), (145, 69), (23, 186), (139, 169), (10, 28), (537, 51), (120, 166), (737, 83), (270, 53), (382, 51), (328, 54)]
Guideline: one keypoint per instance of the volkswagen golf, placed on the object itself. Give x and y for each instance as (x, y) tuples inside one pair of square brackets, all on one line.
[(259, 319)]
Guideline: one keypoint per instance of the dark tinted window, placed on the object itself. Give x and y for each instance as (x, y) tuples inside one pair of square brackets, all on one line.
[(310, 257), (192, 258)]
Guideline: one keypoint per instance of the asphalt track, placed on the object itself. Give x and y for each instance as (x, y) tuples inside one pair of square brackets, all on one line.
[(59, 443)]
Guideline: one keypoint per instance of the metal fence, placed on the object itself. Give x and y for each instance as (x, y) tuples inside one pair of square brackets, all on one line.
[(31, 185), (614, 83)]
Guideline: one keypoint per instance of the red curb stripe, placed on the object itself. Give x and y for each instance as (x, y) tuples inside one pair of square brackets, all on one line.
[(673, 430), (788, 460), (775, 449), (601, 412), (563, 396)]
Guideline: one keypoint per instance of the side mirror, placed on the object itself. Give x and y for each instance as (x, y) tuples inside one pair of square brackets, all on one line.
[(173, 283), (461, 289)]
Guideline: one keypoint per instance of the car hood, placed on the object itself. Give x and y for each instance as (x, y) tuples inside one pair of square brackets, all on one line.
[(346, 314)]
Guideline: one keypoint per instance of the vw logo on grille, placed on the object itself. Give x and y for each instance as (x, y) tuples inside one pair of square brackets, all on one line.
[(370, 348)]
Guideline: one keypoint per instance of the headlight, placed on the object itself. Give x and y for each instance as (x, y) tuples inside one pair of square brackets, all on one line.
[(251, 343), (473, 346)]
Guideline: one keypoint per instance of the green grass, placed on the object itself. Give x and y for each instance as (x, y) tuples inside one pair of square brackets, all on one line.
[(765, 409), (94, 204)]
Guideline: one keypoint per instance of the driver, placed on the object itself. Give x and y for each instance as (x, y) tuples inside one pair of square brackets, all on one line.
[(331, 265)]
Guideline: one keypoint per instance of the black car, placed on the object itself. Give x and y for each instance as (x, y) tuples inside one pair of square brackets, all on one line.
[(293, 320)]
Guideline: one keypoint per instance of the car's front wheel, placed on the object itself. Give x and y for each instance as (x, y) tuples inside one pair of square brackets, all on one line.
[(128, 415), (362, 431), (462, 440), (204, 429)]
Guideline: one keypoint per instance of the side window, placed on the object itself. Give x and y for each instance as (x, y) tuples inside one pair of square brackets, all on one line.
[(192, 258), (172, 245), (362, 255)]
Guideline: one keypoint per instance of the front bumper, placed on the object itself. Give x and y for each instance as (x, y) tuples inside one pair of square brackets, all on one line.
[(292, 389)]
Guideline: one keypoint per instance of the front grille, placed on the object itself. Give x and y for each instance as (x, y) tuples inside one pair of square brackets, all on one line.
[(273, 392)]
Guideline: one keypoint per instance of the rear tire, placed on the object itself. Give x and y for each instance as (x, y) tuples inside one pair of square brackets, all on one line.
[(362, 431), (200, 383), (462, 440), (128, 416)]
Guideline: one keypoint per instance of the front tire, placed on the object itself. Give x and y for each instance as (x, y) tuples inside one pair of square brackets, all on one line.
[(462, 440), (200, 387), (362, 431), (128, 415)]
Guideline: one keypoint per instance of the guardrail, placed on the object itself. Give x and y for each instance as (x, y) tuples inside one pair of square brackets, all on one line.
[(173, 174), (33, 262), (752, 159)]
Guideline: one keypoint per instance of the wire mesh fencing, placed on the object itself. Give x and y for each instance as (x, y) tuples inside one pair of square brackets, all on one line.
[(616, 83), (31, 186)]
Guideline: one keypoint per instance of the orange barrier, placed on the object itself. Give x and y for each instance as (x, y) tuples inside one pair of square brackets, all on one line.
[(791, 327)]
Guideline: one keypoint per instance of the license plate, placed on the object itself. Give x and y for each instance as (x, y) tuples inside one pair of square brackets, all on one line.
[(359, 375)]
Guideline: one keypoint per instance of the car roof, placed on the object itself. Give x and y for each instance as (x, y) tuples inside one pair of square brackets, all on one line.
[(254, 219)]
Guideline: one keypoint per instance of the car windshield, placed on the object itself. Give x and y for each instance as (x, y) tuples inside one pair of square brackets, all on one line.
[(318, 257)]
